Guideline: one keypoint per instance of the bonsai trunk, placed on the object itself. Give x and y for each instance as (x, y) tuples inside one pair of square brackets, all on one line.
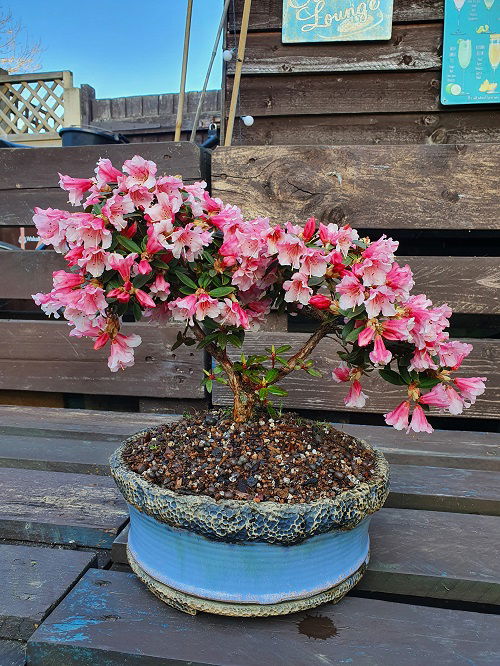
[(243, 405)]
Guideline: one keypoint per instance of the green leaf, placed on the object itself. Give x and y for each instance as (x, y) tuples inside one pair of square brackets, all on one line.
[(313, 372), (353, 335), (428, 382), (354, 312), (271, 375), (347, 329), (128, 244), (263, 393), (186, 290), (235, 340), (186, 280), (208, 385), (158, 263), (391, 377), (277, 390), (136, 311), (140, 280), (221, 291)]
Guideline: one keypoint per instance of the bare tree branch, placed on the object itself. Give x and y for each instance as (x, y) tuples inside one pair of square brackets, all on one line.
[(18, 53)]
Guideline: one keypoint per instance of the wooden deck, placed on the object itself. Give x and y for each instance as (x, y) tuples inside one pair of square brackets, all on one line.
[(429, 596)]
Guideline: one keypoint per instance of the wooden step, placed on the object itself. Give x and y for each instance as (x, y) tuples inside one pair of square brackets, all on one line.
[(12, 653), (111, 618), (60, 508), (423, 554), (34, 580), (444, 489)]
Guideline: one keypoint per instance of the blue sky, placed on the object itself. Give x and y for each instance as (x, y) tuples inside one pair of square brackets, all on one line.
[(123, 47)]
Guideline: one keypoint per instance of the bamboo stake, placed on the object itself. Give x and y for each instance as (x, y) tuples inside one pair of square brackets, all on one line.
[(180, 107), (237, 72), (209, 71)]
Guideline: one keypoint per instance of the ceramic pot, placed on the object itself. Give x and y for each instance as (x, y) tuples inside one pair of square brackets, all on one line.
[(235, 557)]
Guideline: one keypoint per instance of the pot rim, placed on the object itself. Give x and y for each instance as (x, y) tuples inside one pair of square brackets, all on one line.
[(246, 520)]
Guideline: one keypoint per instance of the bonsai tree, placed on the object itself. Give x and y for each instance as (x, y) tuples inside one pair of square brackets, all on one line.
[(154, 247)]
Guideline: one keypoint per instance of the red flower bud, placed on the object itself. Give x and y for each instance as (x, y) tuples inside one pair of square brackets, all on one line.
[(320, 302), (130, 231), (309, 229)]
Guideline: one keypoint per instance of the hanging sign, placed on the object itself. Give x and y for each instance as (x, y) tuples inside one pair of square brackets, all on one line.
[(471, 52), (336, 20)]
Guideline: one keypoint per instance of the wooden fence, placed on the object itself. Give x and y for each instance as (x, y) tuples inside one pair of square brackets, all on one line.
[(353, 92), (415, 189)]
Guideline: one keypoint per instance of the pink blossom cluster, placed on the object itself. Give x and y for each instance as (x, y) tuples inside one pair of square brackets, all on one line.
[(150, 245)]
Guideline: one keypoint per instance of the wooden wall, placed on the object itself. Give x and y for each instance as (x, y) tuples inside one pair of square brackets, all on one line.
[(350, 93)]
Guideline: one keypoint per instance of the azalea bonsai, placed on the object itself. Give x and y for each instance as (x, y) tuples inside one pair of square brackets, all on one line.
[(154, 247)]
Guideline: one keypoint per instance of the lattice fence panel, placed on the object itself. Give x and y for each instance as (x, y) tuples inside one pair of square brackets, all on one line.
[(32, 106)]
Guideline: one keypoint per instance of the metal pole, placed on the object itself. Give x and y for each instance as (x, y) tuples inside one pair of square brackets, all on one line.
[(209, 71), (180, 107), (237, 72)]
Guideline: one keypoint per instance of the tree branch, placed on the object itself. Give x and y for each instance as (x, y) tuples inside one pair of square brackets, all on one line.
[(323, 330)]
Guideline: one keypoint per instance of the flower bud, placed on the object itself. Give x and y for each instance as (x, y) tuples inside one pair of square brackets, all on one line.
[(320, 302), (309, 229)]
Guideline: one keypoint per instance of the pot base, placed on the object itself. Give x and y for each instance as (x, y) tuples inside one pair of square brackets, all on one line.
[(191, 604)]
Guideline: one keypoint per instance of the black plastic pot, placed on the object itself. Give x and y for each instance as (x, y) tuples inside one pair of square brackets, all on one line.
[(83, 136), (8, 144)]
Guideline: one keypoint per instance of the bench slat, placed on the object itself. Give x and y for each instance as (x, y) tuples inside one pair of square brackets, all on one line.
[(422, 553), (34, 581), (60, 508), (12, 653), (372, 187), (119, 622)]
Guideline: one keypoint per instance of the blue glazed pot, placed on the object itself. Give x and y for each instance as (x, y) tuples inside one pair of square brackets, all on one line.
[(242, 558)]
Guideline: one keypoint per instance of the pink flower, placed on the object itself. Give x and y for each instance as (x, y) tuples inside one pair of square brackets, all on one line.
[(51, 225), (144, 299), (93, 260), (199, 305), (88, 230), (320, 302), (352, 292), (89, 300), (72, 257), (421, 360), (140, 172), (139, 196), (188, 242), (313, 262), (290, 250), (456, 403), (309, 229), (451, 354), (355, 397), (67, 281), (419, 423), (380, 354), (106, 173), (342, 373), (160, 288), (400, 280), (122, 354), (50, 303), (232, 314), (398, 418), (273, 236), (297, 289), (115, 208), (380, 300), (122, 264), (256, 312), (76, 187), (341, 239), (470, 387), (165, 209), (436, 397)]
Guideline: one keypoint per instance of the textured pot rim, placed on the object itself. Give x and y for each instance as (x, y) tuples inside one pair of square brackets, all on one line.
[(244, 520)]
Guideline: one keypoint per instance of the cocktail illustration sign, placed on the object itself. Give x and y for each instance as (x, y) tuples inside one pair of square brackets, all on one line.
[(471, 52), (336, 20)]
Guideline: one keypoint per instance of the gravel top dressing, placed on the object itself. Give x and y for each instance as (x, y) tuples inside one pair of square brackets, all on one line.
[(285, 459)]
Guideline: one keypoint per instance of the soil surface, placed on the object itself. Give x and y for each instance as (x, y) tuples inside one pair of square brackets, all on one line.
[(287, 459)]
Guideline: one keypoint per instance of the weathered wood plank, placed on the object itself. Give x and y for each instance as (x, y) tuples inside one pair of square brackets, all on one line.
[(434, 554), (411, 47), (463, 449), (369, 631), (267, 14), (306, 392), (422, 553), (55, 507), (376, 128), (51, 360), (444, 489), (467, 284), (12, 653), (76, 423), (345, 92), (34, 580), (56, 454), (388, 187)]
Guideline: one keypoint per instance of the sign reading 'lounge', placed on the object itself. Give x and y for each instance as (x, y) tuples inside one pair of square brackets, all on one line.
[(336, 20)]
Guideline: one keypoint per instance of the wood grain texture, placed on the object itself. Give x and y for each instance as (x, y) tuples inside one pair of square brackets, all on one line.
[(12, 653), (388, 187), (369, 632), (344, 92), (411, 47), (316, 393), (377, 128), (60, 508), (267, 14), (29, 180), (41, 356), (34, 581), (422, 553), (468, 284)]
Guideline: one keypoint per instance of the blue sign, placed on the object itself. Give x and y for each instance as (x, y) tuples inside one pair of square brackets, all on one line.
[(336, 20), (471, 52)]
